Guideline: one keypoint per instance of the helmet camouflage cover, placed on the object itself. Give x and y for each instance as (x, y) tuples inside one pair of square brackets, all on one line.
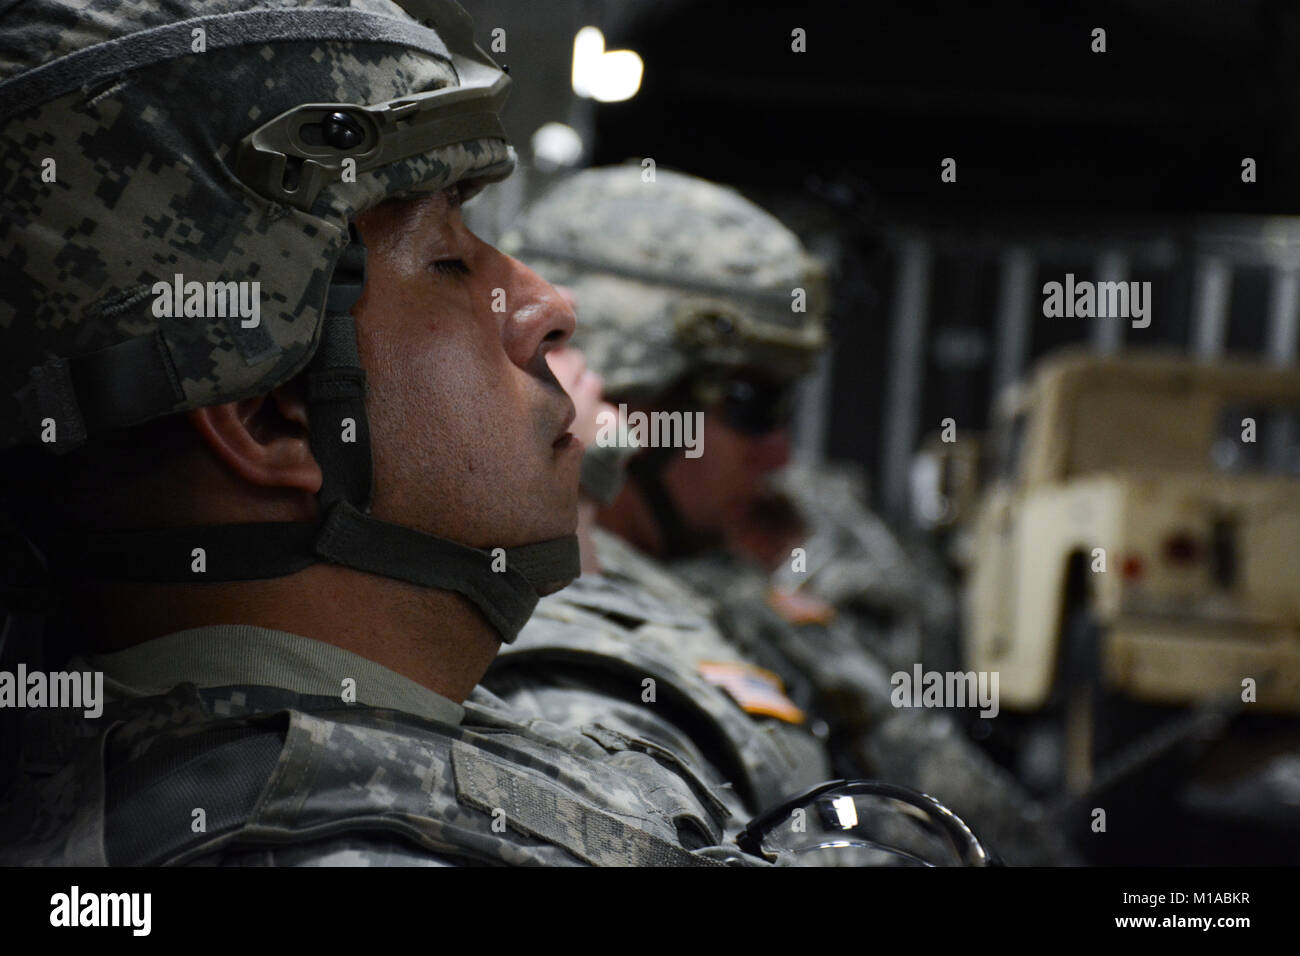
[(160, 158), (125, 164), (673, 275)]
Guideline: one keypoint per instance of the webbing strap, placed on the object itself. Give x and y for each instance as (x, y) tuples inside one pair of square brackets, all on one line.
[(504, 587), (336, 391), (646, 470), (547, 565), (122, 385), (603, 472), (537, 806), (223, 770), (503, 584), (709, 717)]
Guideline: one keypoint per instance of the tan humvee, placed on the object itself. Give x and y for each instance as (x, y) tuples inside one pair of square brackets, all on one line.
[(1129, 495)]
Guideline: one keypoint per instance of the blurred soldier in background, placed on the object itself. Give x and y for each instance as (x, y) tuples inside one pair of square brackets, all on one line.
[(289, 538), (699, 307), (627, 649), (899, 602)]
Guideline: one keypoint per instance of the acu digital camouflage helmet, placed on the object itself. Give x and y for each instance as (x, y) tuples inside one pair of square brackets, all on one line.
[(674, 276), (152, 142)]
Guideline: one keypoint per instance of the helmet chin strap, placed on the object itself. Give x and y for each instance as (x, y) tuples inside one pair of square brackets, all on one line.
[(646, 471), (604, 470), (504, 584)]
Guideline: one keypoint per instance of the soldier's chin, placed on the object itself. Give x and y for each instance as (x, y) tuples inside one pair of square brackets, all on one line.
[(570, 493), (561, 519)]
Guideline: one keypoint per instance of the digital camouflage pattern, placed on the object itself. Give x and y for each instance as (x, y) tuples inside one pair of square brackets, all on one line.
[(853, 561), (583, 658), (145, 189), (922, 749), (637, 255), (145, 186), (673, 276), (294, 779)]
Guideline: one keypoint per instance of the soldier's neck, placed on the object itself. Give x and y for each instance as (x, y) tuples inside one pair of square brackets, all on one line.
[(435, 638)]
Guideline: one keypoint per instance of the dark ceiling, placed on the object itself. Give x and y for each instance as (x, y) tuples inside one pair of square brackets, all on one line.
[(1160, 122)]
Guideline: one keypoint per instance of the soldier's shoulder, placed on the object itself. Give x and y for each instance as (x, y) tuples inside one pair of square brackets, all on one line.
[(681, 684), (624, 621), (497, 793), (622, 562)]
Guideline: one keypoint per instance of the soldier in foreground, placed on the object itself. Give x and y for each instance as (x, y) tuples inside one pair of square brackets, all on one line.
[(284, 530), (699, 307)]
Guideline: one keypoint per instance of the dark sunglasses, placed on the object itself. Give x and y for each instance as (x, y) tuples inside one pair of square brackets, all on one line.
[(756, 408)]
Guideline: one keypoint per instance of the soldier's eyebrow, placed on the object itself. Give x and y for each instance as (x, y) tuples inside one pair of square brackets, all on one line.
[(420, 214), (440, 205), (410, 204)]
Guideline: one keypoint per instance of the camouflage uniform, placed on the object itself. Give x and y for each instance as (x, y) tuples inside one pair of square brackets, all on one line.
[(589, 648), (584, 657), (855, 565), (679, 283), (254, 731), (901, 606), (922, 749), (159, 172), (142, 141)]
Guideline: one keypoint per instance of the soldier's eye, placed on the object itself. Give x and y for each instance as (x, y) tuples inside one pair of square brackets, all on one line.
[(450, 267)]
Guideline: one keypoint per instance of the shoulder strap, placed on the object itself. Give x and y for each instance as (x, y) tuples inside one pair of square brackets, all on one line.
[(729, 738), (151, 803)]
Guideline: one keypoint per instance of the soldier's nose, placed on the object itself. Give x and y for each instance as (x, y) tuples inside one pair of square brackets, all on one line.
[(543, 321), (567, 295)]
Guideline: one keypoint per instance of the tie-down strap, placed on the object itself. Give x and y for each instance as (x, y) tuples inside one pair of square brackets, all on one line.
[(502, 583)]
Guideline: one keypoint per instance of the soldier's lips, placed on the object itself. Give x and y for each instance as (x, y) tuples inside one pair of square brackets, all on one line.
[(568, 442), (563, 442)]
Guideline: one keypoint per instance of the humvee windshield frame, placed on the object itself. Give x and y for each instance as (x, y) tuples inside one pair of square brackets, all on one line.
[(1006, 447)]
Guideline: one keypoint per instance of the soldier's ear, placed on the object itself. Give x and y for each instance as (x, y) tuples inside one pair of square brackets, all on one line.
[(265, 440)]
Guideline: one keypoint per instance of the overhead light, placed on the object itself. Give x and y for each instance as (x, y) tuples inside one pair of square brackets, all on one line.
[(608, 76), (556, 146)]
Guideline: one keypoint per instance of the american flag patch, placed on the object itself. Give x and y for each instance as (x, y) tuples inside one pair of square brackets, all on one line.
[(756, 690)]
